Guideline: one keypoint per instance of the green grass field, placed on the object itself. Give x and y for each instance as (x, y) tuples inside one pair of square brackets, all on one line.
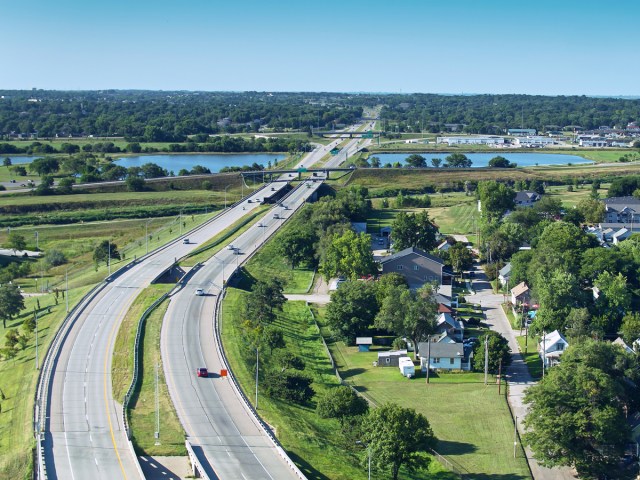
[(18, 378), (142, 412), (470, 420), (312, 442)]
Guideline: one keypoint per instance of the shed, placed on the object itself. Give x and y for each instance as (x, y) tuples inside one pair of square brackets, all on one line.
[(391, 358), (364, 343)]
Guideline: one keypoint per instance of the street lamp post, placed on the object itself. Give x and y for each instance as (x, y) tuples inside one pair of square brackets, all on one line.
[(66, 294), (367, 446), (225, 196), (146, 234), (257, 368)]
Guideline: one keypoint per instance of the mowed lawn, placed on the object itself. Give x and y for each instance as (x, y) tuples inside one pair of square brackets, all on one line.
[(471, 421)]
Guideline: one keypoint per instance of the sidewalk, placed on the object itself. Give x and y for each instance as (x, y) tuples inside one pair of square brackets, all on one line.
[(517, 374)]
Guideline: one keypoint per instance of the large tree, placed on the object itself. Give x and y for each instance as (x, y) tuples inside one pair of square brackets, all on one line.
[(460, 257), (297, 245), (352, 310), (104, 251), (577, 413), (631, 327), (495, 199), (499, 351), (16, 241), (593, 210), (501, 162), (408, 313), (413, 230), (397, 437), (11, 302), (349, 255), (265, 298), (415, 160), (459, 160), (557, 292), (341, 402)]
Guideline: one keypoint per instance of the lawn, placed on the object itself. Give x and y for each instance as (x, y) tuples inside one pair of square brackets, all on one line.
[(471, 421), (142, 412), (315, 444), (18, 378), (531, 358)]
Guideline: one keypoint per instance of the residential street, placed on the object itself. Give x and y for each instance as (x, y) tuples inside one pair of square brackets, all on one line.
[(517, 373)]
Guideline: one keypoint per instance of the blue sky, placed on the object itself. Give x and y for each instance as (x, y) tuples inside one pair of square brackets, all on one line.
[(466, 46)]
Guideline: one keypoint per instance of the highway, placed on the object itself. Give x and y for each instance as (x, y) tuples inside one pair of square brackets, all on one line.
[(83, 433), (230, 440)]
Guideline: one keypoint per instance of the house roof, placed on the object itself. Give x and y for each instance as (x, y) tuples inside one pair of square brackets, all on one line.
[(620, 233), (443, 245), (506, 270), (550, 339), (449, 320), (411, 251), (393, 353), (442, 308), (622, 343), (364, 340), (520, 289), (527, 196), (618, 204), (447, 350)]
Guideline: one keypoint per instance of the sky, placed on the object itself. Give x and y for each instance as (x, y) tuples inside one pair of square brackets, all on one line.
[(570, 47)]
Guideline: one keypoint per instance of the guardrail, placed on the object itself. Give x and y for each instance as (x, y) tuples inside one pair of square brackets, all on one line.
[(52, 354), (195, 461)]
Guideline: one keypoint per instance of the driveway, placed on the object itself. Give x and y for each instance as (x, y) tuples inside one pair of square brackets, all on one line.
[(517, 374)]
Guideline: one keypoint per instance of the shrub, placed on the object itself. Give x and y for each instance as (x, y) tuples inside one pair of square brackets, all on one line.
[(54, 258)]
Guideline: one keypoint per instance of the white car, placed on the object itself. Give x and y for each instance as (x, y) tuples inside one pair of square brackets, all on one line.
[(199, 292), (230, 247)]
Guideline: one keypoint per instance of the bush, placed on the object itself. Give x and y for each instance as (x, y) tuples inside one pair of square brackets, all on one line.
[(399, 344), (289, 385), (54, 258)]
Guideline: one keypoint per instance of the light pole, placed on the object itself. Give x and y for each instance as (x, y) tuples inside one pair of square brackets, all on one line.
[(38, 249), (36, 314), (180, 221), (213, 256), (66, 294), (146, 234), (109, 256), (367, 446), (225, 196), (257, 368)]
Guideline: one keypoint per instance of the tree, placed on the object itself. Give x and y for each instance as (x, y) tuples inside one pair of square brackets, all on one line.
[(410, 314), (289, 385), (498, 351), (577, 414), (631, 327), (265, 298), (104, 251), (458, 160), (415, 160), (65, 186), (436, 162), (135, 184), (7, 162), (414, 230), (44, 187), (273, 338), (44, 166), (297, 245), (11, 302), (460, 257), (495, 199), (341, 402), (557, 292), (501, 162), (591, 209), (54, 258), (16, 241), (548, 207), (349, 255), (396, 437), (352, 310), (614, 300)]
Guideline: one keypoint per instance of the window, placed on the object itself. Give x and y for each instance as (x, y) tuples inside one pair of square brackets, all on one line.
[(436, 360), (398, 267), (388, 360), (416, 268), (451, 361)]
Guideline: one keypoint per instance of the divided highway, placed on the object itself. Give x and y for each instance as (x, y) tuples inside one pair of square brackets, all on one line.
[(226, 436), (82, 425)]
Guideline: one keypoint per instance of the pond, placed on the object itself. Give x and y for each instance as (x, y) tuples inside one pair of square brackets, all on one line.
[(482, 159), (19, 160), (214, 162)]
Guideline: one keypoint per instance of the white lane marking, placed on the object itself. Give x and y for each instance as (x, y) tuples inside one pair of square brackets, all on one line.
[(69, 456)]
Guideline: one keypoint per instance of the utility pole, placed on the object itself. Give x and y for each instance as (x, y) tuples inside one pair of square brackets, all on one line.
[(36, 314), (428, 356), (157, 435), (66, 294), (499, 376), (515, 436), (109, 255), (257, 368), (486, 358), (146, 234), (544, 352), (38, 249)]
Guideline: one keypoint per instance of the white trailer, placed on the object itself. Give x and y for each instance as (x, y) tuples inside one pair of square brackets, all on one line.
[(407, 368)]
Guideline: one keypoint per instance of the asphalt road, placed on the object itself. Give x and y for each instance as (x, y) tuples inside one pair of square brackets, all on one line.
[(84, 437), (218, 423)]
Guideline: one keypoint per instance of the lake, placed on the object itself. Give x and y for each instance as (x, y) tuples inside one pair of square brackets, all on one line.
[(482, 159), (19, 160), (214, 162)]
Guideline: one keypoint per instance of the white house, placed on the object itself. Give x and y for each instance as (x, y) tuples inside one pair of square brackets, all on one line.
[(623, 345), (551, 348), (505, 274), (447, 324), (443, 356)]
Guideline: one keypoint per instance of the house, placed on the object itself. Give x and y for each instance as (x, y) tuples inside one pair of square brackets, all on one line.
[(621, 210), (443, 356), (551, 348), (633, 421), (364, 343), (520, 294), (505, 274), (619, 341), (443, 308), (526, 198), (442, 338), (445, 246), (447, 324), (417, 267), (390, 358), (620, 235)]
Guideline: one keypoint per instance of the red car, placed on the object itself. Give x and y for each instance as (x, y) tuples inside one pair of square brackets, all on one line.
[(202, 372)]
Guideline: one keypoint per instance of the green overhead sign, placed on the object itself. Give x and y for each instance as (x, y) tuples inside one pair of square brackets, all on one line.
[(302, 170), (368, 135), (335, 151)]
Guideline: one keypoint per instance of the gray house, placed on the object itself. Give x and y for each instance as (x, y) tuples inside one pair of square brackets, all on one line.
[(526, 198), (390, 358), (622, 210), (417, 267), (505, 274)]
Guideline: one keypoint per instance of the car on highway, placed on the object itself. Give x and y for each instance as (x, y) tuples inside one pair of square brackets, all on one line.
[(185, 241), (199, 292), (202, 372), (276, 217), (231, 247), (260, 224)]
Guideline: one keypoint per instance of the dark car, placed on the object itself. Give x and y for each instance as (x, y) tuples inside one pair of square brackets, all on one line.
[(202, 372)]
